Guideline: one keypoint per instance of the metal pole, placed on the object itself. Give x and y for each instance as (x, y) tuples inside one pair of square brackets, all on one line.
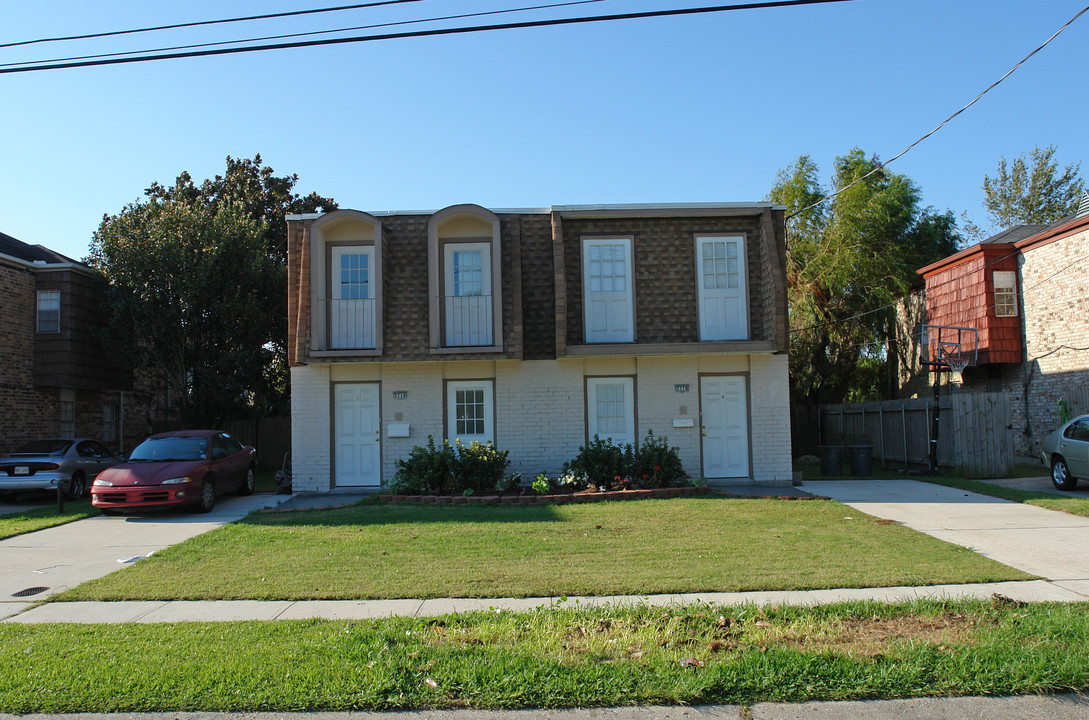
[(904, 428), (881, 423), (935, 418)]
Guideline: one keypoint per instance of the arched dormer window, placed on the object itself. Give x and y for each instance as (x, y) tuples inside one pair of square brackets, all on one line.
[(465, 279), (346, 283)]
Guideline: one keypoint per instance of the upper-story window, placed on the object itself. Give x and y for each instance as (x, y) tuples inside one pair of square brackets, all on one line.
[(1005, 293), (464, 261), (346, 282), (49, 311), (722, 295), (607, 290)]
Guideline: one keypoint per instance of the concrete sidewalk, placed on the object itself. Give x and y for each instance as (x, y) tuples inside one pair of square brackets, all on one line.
[(1047, 543), (1026, 707), (43, 563)]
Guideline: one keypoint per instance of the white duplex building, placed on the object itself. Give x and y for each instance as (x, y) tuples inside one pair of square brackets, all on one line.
[(536, 330)]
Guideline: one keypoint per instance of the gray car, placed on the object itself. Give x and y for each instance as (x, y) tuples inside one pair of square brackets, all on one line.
[(1066, 452), (71, 463)]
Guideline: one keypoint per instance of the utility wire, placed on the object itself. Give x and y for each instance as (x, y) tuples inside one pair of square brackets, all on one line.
[(305, 34), (198, 23), (426, 33), (881, 166)]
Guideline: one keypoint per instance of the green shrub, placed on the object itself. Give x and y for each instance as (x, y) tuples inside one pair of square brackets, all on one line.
[(656, 464), (450, 469), (480, 467), (652, 463), (600, 461), (427, 471)]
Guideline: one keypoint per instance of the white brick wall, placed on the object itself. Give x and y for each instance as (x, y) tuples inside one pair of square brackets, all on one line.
[(770, 400), (540, 408), (310, 426)]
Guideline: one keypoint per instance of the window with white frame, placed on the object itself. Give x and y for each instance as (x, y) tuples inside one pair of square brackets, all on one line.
[(49, 311), (722, 297), (470, 410), (352, 302), (610, 409), (607, 290), (468, 294), (1005, 293)]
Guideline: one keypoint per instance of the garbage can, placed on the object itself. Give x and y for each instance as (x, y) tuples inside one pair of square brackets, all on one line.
[(861, 460), (831, 460)]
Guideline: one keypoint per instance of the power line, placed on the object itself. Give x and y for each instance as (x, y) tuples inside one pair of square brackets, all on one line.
[(426, 33), (199, 23), (942, 124), (307, 34)]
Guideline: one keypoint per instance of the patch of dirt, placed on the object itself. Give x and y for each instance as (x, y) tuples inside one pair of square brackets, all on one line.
[(873, 636)]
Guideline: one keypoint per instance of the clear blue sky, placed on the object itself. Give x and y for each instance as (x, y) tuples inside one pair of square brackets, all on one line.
[(694, 109)]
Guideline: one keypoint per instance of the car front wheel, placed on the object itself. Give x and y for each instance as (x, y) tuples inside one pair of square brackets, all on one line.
[(1060, 475), (207, 495)]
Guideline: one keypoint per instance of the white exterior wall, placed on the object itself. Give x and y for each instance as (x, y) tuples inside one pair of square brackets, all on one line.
[(310, 428), (770, 424), (540, 411)]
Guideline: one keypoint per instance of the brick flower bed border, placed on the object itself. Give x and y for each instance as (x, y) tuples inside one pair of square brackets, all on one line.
[(571, 498), (564, 499)]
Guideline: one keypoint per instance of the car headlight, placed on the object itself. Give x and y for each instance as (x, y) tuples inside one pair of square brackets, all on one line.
[(177, 481), (102, 483)]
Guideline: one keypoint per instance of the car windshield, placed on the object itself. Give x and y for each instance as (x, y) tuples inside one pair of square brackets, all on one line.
[(170, 448), (43, 447)]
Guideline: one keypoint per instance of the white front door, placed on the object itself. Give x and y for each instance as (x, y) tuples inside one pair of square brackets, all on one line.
[(724, 422), (720, 276), (357, 439)]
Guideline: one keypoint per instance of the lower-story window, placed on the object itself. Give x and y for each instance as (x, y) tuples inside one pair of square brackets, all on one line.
[(610, 409), (470, 411)]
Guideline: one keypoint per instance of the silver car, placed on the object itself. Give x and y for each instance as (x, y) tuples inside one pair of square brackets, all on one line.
[(71, 463), (1066, 452)]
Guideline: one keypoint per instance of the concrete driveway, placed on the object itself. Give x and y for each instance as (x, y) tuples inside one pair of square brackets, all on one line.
[(62, 557), (1047, 543)]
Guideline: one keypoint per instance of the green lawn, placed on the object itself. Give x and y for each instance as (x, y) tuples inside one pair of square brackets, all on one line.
[(550, 658), (640, 547), (44, 517), (1040, 498)]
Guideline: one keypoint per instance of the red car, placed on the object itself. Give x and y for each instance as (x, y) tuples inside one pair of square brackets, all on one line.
[(186, 467)]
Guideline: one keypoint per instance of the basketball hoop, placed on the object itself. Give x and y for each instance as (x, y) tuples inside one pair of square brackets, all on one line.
[(956, 364)]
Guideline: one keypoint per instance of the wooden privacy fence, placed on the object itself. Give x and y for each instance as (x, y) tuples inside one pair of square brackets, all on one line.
[(270, 435), (974, 437)]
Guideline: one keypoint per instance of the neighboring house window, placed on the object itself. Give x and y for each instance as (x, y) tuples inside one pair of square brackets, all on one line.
[(1005, 293), (468, 296), (109, 423), (610, 409), (470, 411), (352, 304), (607, 290), (67, 415), (49, 311), (723, 300)]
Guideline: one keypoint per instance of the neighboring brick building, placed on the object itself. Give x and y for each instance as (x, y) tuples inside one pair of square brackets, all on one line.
[(536, 329), (56, 379), (1027, 292)]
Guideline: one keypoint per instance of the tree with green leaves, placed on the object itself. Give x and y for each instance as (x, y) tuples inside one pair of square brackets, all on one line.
[(1032, 190), (850, 261), (197, 287)]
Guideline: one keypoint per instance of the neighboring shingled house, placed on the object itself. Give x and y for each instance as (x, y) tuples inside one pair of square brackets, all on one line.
[(1026, 290), (537, 329), (56, 379)]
